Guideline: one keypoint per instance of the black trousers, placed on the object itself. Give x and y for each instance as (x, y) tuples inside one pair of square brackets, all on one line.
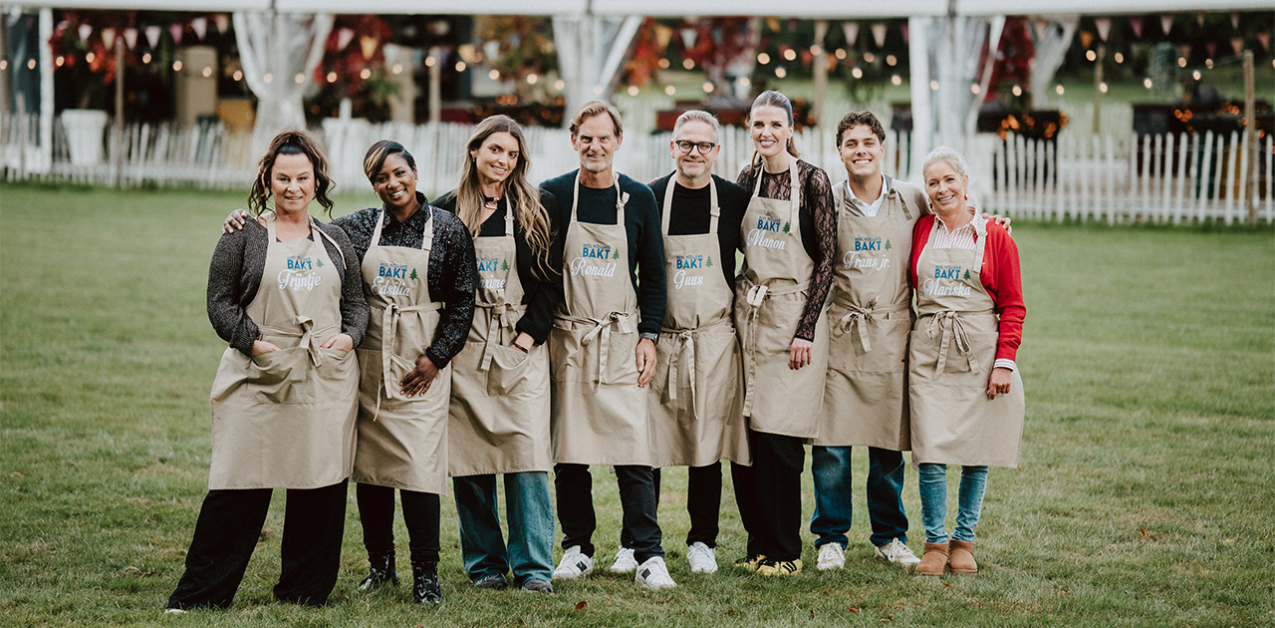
[(769, 495), (703, 502), (226, 533), (574, 486), (420, 514)]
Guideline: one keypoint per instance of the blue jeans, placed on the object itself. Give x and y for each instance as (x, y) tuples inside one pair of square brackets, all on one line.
[(833, 509), (530, 512), (933, 481)]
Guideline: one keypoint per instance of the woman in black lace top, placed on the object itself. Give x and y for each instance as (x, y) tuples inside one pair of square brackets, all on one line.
[(789, 241)]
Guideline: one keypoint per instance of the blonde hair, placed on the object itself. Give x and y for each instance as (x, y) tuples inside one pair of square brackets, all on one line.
[(597, 108), (948, 155), (523, 197)]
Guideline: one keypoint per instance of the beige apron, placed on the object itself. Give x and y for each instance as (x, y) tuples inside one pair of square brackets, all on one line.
[(402, 440), (285, 419), (865, 399), (499, 415), (598, 412), (770, 297), (696, 400), (953, 349)]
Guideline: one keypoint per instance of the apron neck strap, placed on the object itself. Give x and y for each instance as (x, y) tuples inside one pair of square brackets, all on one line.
[(714, 211), (620, 199), (427, 234), (794, 194), (509, 216)]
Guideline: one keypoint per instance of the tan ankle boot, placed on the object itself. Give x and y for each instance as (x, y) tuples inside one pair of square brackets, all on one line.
[(962, 558), (934, 560)]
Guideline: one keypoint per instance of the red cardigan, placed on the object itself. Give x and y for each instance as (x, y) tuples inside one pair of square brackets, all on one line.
[(1001, 277)]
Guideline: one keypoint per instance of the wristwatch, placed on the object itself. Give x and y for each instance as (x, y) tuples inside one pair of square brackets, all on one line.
[(649, 335)]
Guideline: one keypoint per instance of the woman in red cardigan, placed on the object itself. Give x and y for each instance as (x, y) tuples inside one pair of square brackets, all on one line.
[(965, 392)]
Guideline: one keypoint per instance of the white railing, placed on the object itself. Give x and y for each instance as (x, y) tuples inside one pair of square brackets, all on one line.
[(1155, 178)]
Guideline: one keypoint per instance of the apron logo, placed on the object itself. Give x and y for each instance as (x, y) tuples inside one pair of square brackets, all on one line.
[(597, 251), (867, 244), (299, 275), (390, 280), (690, 261), (296, 262), (940, 284), (760, 236), (492, 264), (582, 266)]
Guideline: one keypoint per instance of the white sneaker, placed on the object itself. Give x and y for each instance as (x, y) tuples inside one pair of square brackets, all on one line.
[(703, 559), (898, 553), (574, 565), (625, 562), (831, 556), (653, 574)]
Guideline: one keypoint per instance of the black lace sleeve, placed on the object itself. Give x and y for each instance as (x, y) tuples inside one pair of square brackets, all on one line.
[(817, 199)]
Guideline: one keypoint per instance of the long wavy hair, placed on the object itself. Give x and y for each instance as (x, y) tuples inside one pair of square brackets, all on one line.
[(522, 196), (291, 142)]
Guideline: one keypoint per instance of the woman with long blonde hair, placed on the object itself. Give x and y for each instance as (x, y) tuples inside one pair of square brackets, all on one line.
[(499, 415)]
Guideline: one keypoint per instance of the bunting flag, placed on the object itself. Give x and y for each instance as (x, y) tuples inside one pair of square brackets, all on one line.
[(176, 31), (851, 29), (904, 27), (878, 34), (1086, 38), (663, 35), (688, 38), (1103, 24), (1038, 29), (1186, 50), (1199, 17), (773, 23), (152, 36), (1212, 48), (130, 38), (1235, 19), (1265, 39), (200, 24), (368, 47), (1135, 21), (1166, 22), (108, 36), (343, 38), (1237, 44), (222, 21), (84, 31)]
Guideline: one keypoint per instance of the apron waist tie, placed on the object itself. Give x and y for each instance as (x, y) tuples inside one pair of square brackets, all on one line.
[(306, 335), (949, 325), (602, 327), (857, 318), (756, 295), (498, 319), (389, 337), (686, 342)]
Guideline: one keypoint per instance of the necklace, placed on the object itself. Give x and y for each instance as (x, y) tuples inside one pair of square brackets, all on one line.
[(491, 203)]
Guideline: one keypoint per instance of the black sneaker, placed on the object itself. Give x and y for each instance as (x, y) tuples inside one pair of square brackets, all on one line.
[(495, 582), (381, 571), (536, 585), (750, 562), (425, 583)]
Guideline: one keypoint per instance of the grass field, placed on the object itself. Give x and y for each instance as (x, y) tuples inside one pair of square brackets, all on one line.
[(1144, 497)]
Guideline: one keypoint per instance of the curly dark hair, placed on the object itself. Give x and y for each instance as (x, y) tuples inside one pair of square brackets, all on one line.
[(291, 142), (856, 118)]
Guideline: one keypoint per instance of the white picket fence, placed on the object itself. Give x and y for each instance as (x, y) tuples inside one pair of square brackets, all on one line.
[(1115, 177), (1155, 178)]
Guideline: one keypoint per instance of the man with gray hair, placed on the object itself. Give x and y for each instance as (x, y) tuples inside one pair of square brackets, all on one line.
[(696, 398)]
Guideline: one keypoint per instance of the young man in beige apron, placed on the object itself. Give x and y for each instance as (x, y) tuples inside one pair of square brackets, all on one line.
[(966, 408), (696, 399), (601, 354), (283, 419), (870, 314)]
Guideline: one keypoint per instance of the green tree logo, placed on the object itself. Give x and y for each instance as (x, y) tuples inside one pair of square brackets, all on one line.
[(413, 275), (709, 263), (785, 227), (887, 245), (617, 254), (967, 274), (504, 264), (319, 262)]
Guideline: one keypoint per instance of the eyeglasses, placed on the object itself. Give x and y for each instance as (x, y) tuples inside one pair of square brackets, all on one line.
[(685, 146)]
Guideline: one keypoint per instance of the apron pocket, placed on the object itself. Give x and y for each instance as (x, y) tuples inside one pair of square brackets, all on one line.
[(508, 370), (399, 368), (621, 366), (777, 324), (277, 377), (888, 338)]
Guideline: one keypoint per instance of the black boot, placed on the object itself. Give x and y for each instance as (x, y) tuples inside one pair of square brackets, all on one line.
[(380, 572), (425, 582)]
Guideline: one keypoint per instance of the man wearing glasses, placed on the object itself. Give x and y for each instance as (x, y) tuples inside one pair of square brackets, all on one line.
[(696, 398)]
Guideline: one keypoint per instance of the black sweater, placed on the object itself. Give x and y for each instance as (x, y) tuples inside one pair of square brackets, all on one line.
[(692, 215), (541, 279), (641, 221), (234, 276)]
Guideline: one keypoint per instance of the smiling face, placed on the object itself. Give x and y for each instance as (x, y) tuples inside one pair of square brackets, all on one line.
[(496, 158), (596, 141), (292, 183), (945, 187), (695, 163), (861, 152), (770, 130), (395, 184)]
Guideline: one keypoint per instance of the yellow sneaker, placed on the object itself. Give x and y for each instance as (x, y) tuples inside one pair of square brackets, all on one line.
[(780, 568), (750, 562)]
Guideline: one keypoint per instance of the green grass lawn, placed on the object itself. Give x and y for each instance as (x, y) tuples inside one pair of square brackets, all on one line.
[(1145, 495)]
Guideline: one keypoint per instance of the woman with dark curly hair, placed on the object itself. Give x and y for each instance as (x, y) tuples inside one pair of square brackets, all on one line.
[(285, 293)]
